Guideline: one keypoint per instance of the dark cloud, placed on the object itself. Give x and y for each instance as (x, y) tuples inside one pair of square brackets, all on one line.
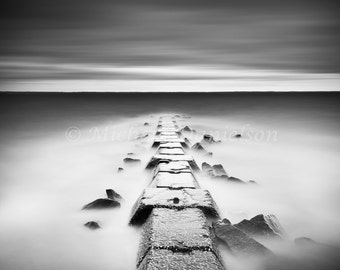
[(301, 35)]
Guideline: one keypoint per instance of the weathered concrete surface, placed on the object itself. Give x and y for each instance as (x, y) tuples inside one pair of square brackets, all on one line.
[(159, 140), (178, 231), (166, 130), (167, 133), (170, 151), (172, 199), (174, 180), (167, 125), (170, 145), (157, 259), (173, 167), (156, 159), (238, 242)]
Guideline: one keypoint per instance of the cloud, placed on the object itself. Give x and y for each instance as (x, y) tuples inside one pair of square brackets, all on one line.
[(286, 35)]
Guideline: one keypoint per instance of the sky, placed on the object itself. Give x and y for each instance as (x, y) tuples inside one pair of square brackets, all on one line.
[(124, 40)]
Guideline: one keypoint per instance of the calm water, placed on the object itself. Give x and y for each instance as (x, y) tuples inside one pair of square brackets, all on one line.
[(61, 151)]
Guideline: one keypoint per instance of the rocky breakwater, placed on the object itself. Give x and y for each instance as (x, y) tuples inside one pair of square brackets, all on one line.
[(173, 212)]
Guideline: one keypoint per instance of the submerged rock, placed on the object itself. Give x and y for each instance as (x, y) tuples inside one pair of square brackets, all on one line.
[(208, 138), (207, 169), (187, 142), (235, 180), (142, 136), (187, 129), (198, 147), (219, 170), (261, 225), (146, 124), (113, 195), (93, 225), (238, 242), (206, 166), (120, 169), (131, 160), (238, 136), (102, 203), (304, 241)]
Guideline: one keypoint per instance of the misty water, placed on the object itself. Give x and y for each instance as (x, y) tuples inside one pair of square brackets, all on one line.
[(59, 152)]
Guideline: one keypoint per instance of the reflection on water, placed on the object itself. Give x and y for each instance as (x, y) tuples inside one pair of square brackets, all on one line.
[(46, 177)]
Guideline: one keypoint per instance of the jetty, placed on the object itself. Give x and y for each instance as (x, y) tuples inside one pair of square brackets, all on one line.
[(174, 213)]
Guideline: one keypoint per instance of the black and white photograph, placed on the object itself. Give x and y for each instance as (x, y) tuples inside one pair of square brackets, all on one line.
[(170, 135)]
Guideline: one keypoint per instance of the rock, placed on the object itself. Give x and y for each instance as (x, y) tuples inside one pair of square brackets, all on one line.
[(142, 136), (238, 242), (120, 169), (209, 153), (102, 203), (93, 225), (208, 138), (252, 182), (235, 180), (131, 160), (309, 244), (304, 241), (237, 136), (199, 147), (187, 129), (207, 169), (206, 166), (261, 225), (146, 124), (130, 154), (226, 221), (219, 170), (113, 195)]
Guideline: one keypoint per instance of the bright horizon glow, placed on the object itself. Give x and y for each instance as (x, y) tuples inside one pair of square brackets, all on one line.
[(302, 85), (38, 77)]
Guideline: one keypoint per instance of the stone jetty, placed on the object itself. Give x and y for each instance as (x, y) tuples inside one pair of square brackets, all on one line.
[(174, 213)]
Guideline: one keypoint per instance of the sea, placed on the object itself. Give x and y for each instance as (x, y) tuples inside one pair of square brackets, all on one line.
[(60, 151)]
